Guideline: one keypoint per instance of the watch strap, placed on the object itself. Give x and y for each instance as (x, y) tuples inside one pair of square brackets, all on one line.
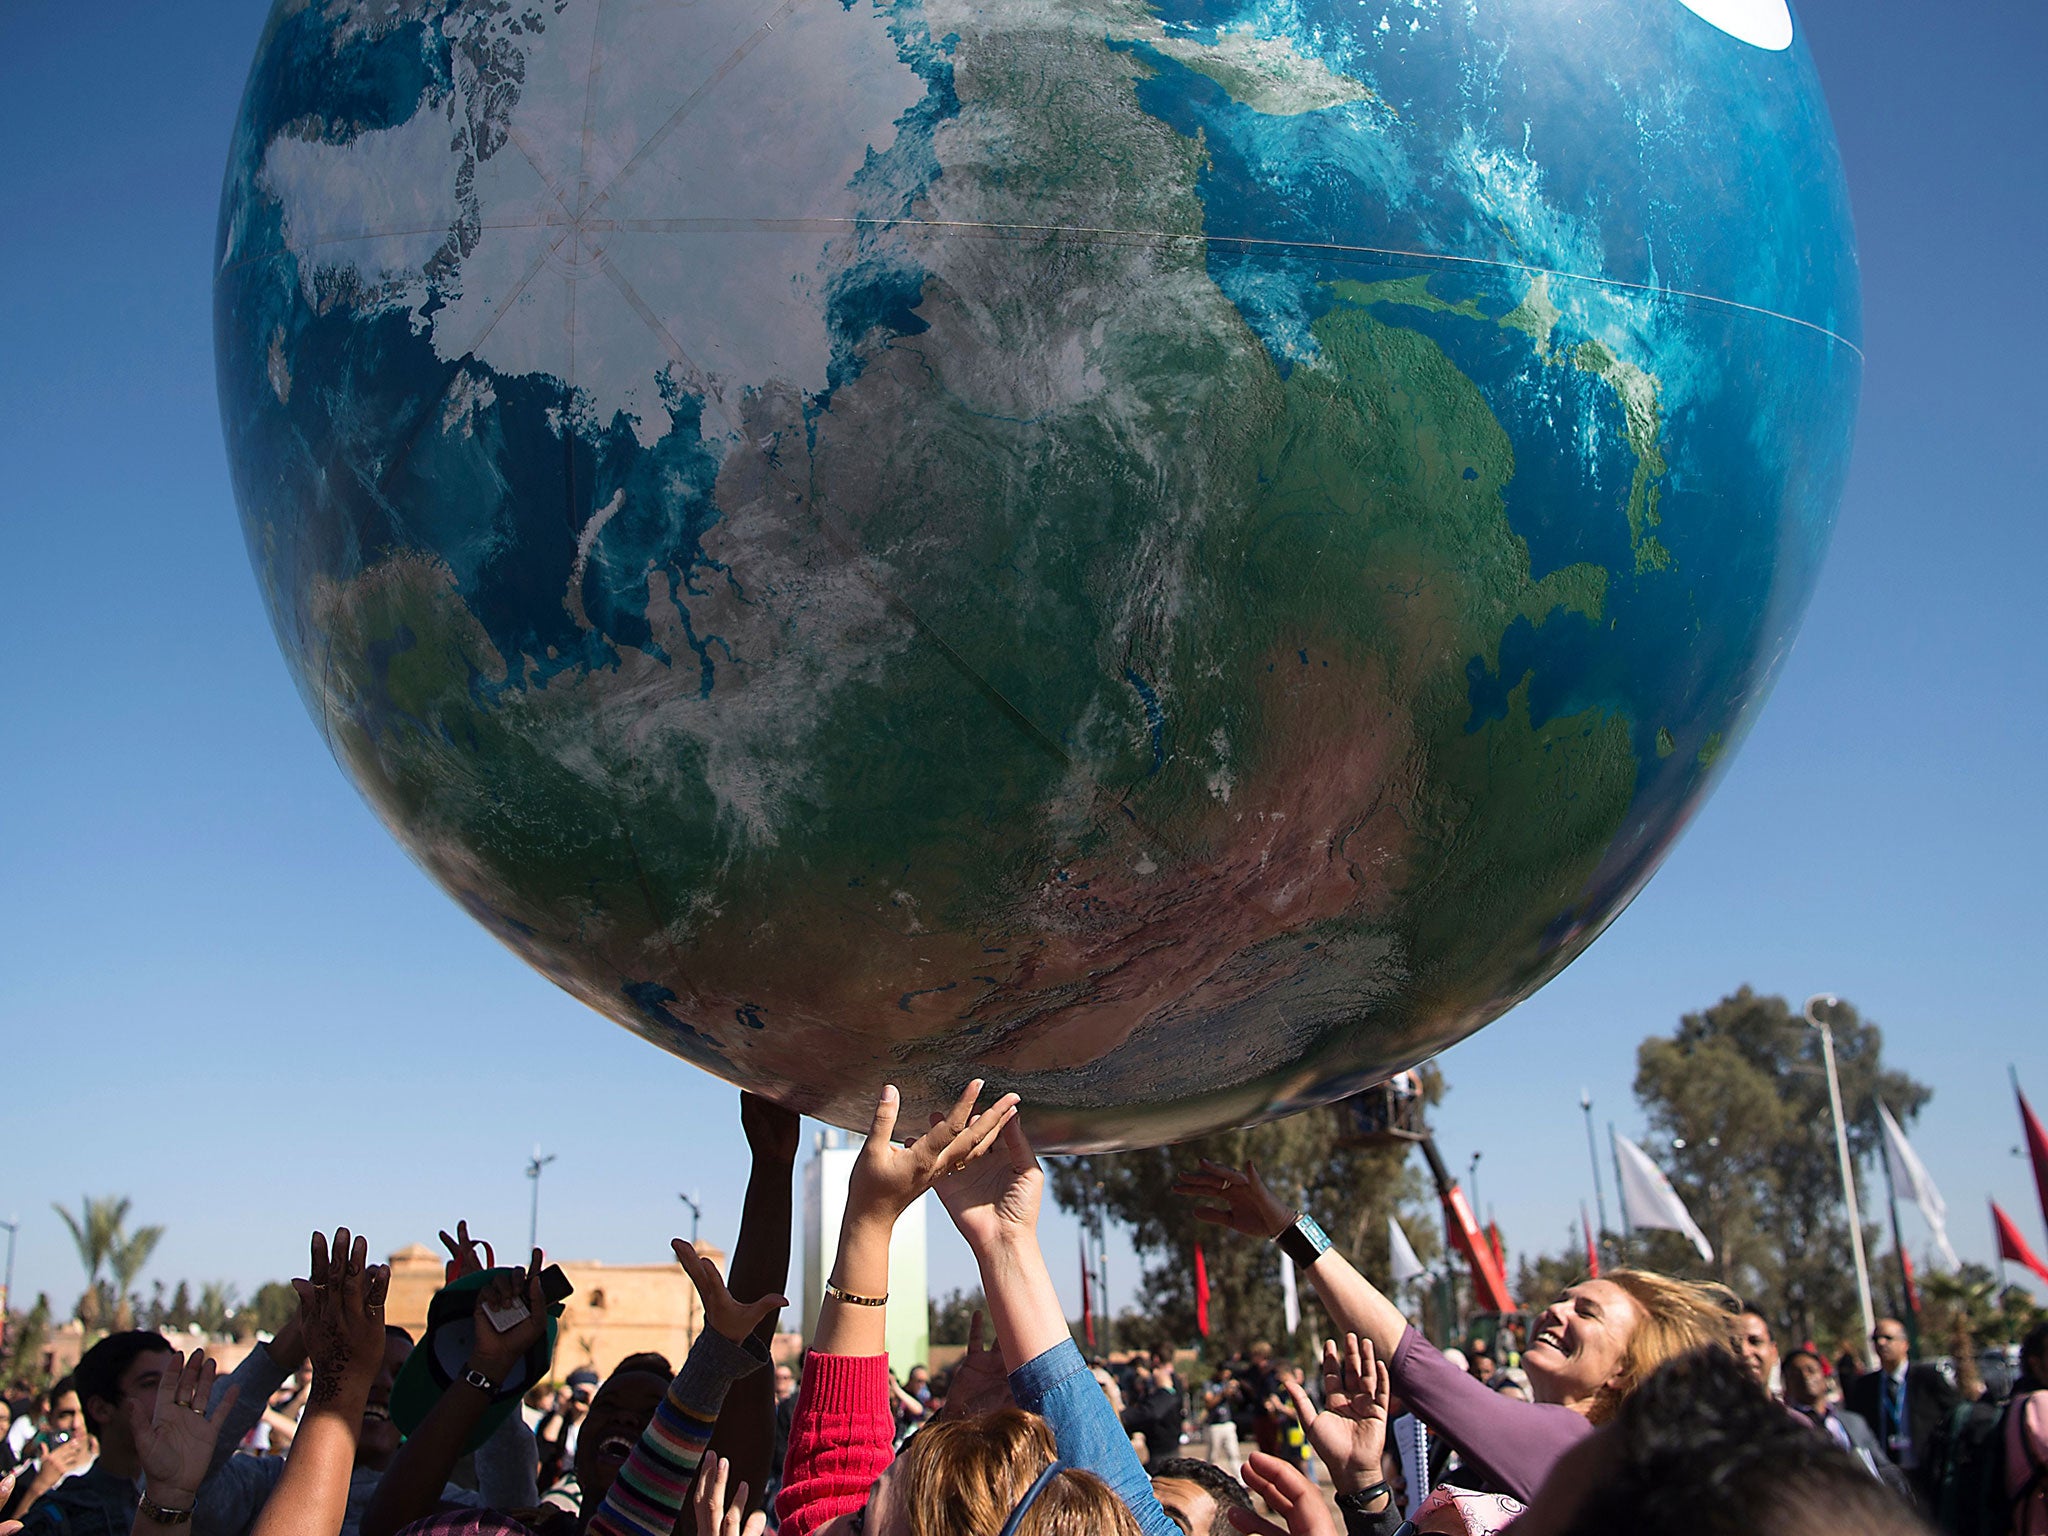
[(1354, 1503), (157, 1514), (1303, 1240)]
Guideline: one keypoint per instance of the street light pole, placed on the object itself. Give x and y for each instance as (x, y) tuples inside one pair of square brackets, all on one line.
[(533, 1168), (1814, 1004), (696, 1215), (7, 1286), (1472, 1176), (1593, 1152)]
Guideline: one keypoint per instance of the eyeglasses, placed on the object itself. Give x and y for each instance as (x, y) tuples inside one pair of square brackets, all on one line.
[(1886, 1338)]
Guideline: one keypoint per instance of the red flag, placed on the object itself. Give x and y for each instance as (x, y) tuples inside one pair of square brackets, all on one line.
[(2037, 1147), (1201, 1292), (1912, 1290), (2011, 1245), (1592, 1249), (1087, 1298)]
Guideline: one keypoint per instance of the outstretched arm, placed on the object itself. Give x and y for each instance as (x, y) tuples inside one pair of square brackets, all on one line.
[(1241, 1201), (341, 1310), (745, 1437), (411, 1486), (175, 1436), (994, 1202), (840, 1439), (648, 1493)]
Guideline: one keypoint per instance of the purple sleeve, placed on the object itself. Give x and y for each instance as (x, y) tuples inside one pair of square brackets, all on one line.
[(1513, 1444)]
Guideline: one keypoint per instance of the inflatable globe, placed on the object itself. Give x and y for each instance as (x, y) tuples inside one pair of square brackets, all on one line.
[(1178, 556)]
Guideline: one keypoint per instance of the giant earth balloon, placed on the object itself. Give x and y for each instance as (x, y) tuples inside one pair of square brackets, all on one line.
[(1179, 554)]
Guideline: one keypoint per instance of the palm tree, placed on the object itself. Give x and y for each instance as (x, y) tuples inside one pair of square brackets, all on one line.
[(130, 1256), (96, 1230)]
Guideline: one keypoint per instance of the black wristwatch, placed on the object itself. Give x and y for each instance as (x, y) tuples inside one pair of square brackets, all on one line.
[(1360, 1521), (1364, 1522), (1303, 1241)]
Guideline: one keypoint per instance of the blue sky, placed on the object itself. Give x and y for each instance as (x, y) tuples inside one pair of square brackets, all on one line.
[(225, 992)]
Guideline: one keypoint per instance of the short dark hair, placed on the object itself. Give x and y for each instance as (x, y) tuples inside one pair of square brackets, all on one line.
[(100, 1369), (647, 1361), (393, 1331), (1701, 1451), (2031, 1349), (1226, 1490)]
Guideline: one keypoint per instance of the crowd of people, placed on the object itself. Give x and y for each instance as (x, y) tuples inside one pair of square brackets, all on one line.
[(1634, 1402)]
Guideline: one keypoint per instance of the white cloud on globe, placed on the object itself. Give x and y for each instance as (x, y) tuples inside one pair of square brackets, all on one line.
[(1761, 23)]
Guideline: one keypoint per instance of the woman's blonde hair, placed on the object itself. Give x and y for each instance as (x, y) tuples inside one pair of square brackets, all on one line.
[(964, 1477), (1673, 1318)]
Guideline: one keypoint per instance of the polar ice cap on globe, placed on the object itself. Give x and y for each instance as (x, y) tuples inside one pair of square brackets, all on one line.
[(1179, 558)]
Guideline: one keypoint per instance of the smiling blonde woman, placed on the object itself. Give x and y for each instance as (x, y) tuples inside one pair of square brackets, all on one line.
[(1588, 1350)]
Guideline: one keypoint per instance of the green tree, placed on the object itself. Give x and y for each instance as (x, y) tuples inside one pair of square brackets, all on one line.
[(27, 1333), (217, 1305), (1972, 1300), (1737, 1102), (125, 1262), (95, 1232), (1350, 1190), (953, 1314), (179, 1314), (274, 1305)]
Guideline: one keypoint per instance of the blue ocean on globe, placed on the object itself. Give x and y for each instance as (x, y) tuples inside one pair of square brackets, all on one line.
[(1180, 557)]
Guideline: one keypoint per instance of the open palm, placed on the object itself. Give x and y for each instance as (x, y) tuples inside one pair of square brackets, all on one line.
[(996, 1196), (175, 1440), (888, 1178), (1350, 1434), (736, 1320)]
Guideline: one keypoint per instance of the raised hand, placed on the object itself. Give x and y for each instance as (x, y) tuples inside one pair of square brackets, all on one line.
[(736, 1320), (341, 1310), (772, 1132), (74, 1455), (1244, 1203), (1289, 1495), (174, 1438), (995, 1198), (496, 1351), (887, 1179), (715, 1514), (981, 1379), (463, 1258), (1350, 1434)]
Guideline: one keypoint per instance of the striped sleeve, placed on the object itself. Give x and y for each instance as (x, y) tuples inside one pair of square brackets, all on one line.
[(653, 1485)]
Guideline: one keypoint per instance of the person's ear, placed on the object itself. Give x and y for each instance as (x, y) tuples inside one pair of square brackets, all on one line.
[(95, 1418)]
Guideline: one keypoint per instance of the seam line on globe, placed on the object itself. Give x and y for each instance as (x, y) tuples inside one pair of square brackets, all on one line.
[(714, 225)]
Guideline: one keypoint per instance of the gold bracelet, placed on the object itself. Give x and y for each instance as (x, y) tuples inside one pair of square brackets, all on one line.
[(852, 1300)]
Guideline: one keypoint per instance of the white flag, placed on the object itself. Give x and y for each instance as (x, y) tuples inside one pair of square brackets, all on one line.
[(1290, 1298), (1911, 1179), (1648, 1200), (1402, 1265)]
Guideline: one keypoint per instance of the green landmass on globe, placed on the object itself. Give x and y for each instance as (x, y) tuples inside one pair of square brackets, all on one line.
[(1181, 558)]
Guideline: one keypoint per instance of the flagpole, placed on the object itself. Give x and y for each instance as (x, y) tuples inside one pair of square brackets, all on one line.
[(1593, 1156), (1628, 1231), (1908, 1302), (1855, 1210)]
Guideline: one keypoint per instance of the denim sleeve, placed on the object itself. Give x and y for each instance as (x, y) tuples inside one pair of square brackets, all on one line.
[(1057, 1386)]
